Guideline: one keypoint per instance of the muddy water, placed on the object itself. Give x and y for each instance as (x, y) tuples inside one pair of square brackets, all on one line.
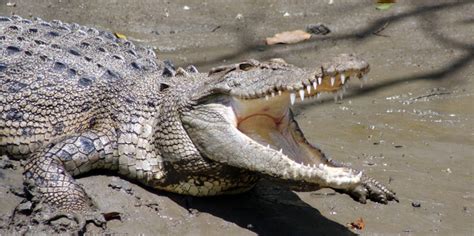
[(412, 125)]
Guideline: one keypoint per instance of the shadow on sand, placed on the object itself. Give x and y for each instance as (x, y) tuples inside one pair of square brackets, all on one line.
[(268, 209)]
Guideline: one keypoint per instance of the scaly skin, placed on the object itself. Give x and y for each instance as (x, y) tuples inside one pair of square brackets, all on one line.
[(75, 99)]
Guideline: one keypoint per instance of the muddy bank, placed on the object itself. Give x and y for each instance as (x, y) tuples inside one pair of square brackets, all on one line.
[(410, 126)]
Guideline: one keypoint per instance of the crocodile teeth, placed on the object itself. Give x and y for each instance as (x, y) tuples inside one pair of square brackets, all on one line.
[(333, 80), (292, 98), (364, 80), (302, 94), (320, 80), (315, 85), (279, 92), (273, 94), (281, 150), (266, 97), (335, 97), (341, 93), (308, 88), (343, 78)]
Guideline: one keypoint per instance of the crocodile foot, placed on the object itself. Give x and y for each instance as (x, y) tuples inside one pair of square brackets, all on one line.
[(370, 189), (76, 222), (34, 217)]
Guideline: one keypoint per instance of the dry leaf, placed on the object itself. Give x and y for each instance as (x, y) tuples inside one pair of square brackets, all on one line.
[(288, 37), (358, 224), (384, 4), (120, 36)]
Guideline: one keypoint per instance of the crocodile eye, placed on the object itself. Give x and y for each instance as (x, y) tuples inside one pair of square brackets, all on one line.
[(163, 86), (245, 66)]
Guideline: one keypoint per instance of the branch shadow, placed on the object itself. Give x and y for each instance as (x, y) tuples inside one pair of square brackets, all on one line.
[(268, 209), (443, 73), (362, 34)]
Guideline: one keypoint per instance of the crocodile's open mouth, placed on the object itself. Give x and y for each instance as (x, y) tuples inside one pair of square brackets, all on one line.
[(268, 120), (250, 125), (271, 124)]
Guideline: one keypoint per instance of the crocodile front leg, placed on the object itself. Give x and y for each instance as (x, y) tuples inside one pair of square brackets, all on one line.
[(49, 174)]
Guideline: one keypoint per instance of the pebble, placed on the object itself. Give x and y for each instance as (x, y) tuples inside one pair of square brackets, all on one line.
[(115, 186), (416, 204), (318, 29), (25, 207), (5, 163)]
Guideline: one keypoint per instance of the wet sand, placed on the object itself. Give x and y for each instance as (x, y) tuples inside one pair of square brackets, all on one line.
[(411, 125)]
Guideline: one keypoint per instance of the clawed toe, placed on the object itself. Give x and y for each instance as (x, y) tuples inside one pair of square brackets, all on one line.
[(79, 219), (372, 190)]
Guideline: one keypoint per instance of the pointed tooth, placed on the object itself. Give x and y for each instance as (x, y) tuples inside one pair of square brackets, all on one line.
[(315, 85), (333, 80), (302, 94), (279, 92), (340, 94), (266, 97), (273, 94), (281, 150), (343, 78), (320, 80), (292, 98), (318, 96), (335, 97), (308, 88)]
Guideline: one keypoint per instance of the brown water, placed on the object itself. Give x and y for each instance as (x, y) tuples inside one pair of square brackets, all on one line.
[(412, 125)]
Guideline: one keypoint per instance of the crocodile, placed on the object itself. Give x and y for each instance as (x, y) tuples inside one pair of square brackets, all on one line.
[(76, 99)]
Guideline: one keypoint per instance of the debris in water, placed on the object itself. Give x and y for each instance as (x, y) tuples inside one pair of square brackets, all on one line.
[(288, 37), (448, 170), (112, 216), (120, 36), (384, 4), (318, 29), (359, 224)]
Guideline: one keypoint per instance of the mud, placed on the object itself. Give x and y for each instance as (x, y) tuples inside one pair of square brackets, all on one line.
[(412, 125)]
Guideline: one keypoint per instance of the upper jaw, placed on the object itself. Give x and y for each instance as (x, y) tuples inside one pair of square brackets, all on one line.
[(331, 77)]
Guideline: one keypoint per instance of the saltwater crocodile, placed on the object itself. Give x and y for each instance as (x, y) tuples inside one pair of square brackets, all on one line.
[(76, 99)]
